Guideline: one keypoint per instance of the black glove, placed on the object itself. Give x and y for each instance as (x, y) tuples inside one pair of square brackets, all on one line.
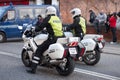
[(28, 33)]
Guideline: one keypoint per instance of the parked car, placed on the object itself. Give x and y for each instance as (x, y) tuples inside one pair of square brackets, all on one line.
[(14, 18)]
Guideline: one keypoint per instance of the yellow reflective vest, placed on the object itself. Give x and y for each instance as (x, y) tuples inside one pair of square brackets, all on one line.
[(83, 24), (56, 25)]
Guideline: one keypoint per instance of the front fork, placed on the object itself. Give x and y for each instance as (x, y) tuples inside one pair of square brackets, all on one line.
[(28, 51)]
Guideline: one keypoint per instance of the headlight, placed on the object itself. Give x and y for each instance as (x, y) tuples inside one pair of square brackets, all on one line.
[(20, 27)]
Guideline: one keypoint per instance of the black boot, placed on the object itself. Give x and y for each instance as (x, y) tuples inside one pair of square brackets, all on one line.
[(32, 69)]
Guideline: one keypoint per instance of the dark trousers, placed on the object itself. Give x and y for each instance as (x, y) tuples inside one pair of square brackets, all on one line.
[(99, 26), (37, 57), (107, 27), (81, 35), (96, 26), (113, 30)]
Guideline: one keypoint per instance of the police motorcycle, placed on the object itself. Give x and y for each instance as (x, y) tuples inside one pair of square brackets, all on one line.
[(93, 44), (60, 55)]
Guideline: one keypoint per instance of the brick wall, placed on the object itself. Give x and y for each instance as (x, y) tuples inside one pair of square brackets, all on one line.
[(107, 36), (14, 2), (85, 6)]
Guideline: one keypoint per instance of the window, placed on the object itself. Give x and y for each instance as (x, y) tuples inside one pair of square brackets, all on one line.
[(40, 11), (47, 1), (11, 15), (3, 14), (2, 10), (4, 18), (26, 13)]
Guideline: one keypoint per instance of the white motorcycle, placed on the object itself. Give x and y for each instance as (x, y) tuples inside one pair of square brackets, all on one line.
[(93, 44), (58, 55)]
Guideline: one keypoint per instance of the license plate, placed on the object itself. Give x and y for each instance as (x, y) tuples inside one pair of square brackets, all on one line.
[(72, 51), (100, 45)]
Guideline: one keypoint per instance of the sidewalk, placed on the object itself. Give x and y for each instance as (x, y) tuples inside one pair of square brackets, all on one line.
[(112, 48)]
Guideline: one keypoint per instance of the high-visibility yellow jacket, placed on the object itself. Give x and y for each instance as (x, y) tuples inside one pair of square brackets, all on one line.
[(53, 25)]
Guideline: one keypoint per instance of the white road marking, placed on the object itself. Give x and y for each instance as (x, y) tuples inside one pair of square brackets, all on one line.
[(10, 54), (105, 76)]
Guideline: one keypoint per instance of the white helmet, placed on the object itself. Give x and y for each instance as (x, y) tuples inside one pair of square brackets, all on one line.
[(50, 10), (75, 12)]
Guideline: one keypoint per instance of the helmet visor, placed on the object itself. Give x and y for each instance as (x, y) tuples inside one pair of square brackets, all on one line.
[(73, 12)]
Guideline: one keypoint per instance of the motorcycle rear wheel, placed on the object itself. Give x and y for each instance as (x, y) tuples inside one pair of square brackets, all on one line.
[(92, 60), (25, 58), (68, 68)]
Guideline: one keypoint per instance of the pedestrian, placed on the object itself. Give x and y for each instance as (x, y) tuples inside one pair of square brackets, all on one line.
[(112, 22), (118, 14), (118, 21), (79, 23), (107, 25), (101, 20), (92, 16), (53, 26), (39, 20), (96, 25)]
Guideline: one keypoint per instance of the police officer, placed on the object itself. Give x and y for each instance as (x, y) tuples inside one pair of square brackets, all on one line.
[(79, 24), (54, 27)]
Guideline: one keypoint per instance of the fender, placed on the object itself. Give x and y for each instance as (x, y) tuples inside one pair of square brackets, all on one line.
[(1, 30), (98, 49), (74, 51), (68, 53), (24, 49), (30, 53)]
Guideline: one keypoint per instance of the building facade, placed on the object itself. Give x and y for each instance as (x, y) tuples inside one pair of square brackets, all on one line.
[(29, 2), (14, 2)]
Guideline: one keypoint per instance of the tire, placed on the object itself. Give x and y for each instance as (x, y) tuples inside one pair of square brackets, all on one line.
[(2, 37), (68, 68), (91, 58), (25, 58)]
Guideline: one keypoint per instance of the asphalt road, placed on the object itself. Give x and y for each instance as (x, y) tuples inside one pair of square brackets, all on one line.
[(11, 67)]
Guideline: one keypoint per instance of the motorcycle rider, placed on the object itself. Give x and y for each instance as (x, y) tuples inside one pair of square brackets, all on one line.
[(53, 26), (79, 24)]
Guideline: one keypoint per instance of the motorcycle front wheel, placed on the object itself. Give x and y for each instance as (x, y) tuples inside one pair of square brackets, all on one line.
[(67, 69), (91, 58), (25, 58)]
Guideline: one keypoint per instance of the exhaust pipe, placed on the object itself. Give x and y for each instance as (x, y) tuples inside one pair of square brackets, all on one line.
[(56, 62)]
